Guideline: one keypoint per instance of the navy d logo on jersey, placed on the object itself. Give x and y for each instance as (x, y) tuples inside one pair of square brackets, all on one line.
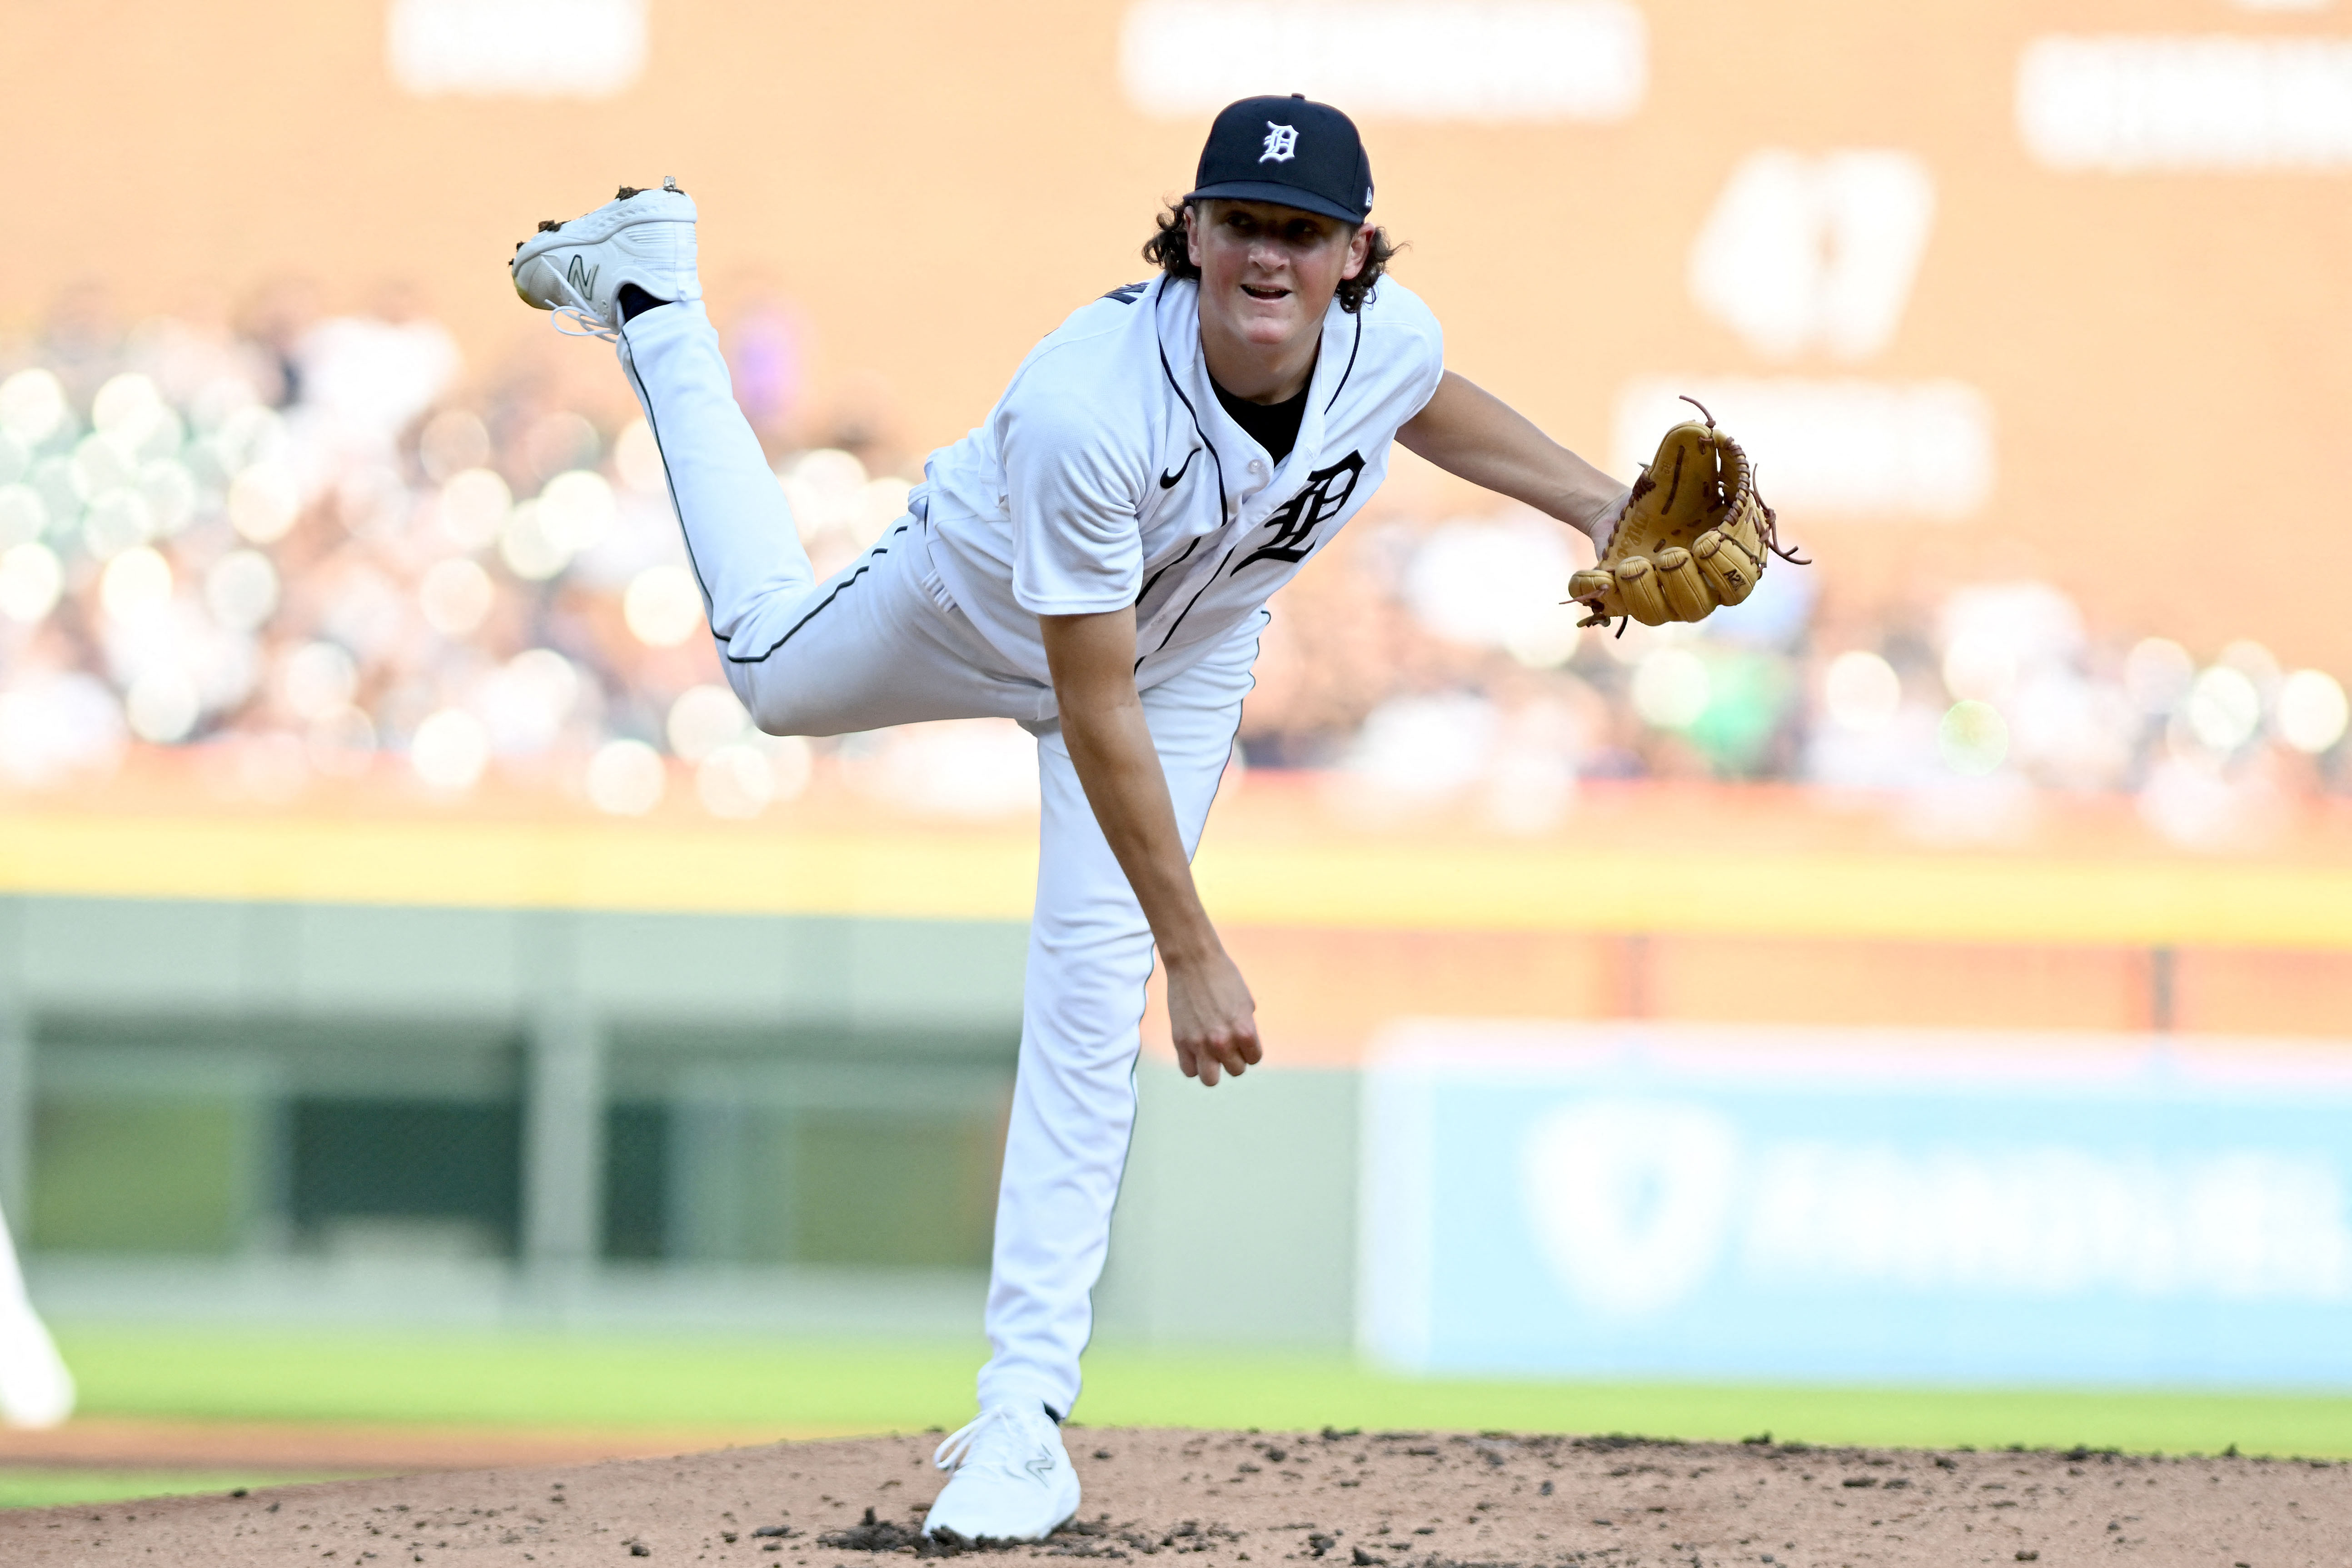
[(1281, 144), (1324, 498)]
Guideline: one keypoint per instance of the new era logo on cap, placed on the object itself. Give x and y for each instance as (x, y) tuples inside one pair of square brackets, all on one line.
[(1287, 150)]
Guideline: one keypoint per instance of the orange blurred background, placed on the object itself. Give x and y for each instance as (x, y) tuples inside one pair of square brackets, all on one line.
[(931, 187)]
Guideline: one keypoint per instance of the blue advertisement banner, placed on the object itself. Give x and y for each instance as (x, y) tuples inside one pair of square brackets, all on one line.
[(1650, 1201)]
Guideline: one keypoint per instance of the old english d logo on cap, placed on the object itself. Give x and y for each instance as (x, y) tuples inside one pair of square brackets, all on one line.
[(1288, 149)]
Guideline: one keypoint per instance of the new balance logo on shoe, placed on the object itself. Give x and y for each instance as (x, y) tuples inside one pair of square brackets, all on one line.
[(1041, 1465), (581, 276)]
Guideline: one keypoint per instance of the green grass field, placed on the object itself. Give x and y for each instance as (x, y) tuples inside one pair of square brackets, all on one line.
[(31, 1487), (753, 1386)]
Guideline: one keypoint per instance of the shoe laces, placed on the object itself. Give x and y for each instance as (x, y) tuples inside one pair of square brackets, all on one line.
[(589, 324), (994, 1437)]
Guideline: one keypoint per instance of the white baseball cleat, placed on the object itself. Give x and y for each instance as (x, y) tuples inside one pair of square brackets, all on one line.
[(576, 269), (1013, 1479)]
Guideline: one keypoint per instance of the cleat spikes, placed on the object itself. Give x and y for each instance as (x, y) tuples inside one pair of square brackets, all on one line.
[(669, 183), (576, 269)]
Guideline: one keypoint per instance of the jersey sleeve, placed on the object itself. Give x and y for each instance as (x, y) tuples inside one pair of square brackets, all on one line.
[(1074, 495), (1428, 352)]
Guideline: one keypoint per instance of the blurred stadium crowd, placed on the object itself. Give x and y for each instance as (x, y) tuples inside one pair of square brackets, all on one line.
[(295, 551)]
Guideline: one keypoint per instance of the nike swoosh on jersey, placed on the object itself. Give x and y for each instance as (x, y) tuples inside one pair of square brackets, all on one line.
[(1168, 481)]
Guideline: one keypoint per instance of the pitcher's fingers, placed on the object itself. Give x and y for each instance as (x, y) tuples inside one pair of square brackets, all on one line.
[(1226, 1046)]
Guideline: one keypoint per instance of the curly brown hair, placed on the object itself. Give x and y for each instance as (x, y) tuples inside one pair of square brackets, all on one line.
[(1166, 250)]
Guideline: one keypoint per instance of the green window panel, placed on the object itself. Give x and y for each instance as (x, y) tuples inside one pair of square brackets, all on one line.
[(909, 1190), (407, 1174), (143, 1175)]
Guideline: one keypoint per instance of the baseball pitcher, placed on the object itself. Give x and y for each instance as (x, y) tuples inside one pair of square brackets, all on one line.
[(1093, 561)]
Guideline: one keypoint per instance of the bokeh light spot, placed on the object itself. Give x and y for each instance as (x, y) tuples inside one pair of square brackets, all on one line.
[(576, 509), (528, 546), (1861, 690), (241, 590), (473, 509), (704, 719), (625, 778), (1973, 738), (2312, 710), (33, 405), (136, 584), (263, 502), (31, 578), (449, 750), (1671, 689), (24, 516), (662, 606), (317, 679), (2224, 708), (162, 706), (455, 595)]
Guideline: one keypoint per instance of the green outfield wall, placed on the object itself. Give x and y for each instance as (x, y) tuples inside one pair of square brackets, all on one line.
[(315, 1112)]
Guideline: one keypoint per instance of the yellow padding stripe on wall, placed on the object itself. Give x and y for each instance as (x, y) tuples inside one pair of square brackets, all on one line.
[(478, 864), (988, 874), (1940, 898)]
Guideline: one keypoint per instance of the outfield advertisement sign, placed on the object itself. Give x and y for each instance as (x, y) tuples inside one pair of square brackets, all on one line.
[(1650, 1201)]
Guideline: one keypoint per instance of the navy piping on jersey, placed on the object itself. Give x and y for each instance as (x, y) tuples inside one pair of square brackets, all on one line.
[(1351, 363), (687, 538), (1349, 371), (1188, 608), (1225, 506), (793, 630), (1152, 581)]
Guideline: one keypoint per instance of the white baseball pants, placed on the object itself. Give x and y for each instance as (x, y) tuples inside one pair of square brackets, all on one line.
[(881, 644)]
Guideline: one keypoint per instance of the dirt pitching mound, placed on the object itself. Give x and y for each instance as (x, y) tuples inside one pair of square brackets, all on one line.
[(1347, 1500)]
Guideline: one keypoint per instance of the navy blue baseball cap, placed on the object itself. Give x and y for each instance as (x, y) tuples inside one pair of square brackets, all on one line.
[(1290, 151)]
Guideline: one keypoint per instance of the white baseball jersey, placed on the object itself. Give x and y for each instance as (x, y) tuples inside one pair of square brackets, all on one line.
[(1109, 474)]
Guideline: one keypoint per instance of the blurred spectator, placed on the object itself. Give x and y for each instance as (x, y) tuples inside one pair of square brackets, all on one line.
[(288, 544)]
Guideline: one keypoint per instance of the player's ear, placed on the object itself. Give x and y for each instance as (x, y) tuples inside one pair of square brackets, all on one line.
[(1360, 251), (1192, 233)]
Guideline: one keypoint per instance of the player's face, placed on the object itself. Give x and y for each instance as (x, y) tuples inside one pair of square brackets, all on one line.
[(1267, 272)]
